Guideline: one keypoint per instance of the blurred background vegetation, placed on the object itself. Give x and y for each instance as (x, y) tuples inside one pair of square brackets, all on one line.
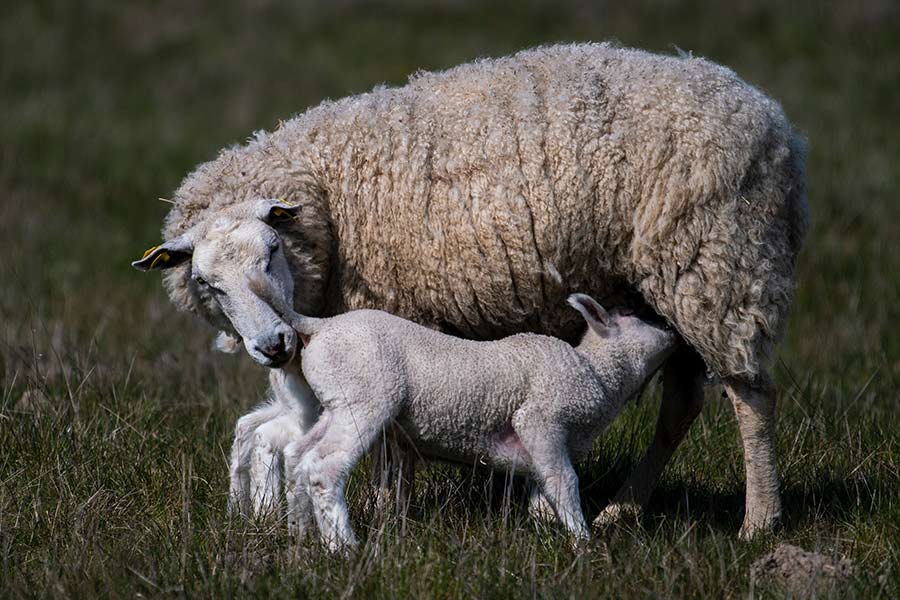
[(115, 418)]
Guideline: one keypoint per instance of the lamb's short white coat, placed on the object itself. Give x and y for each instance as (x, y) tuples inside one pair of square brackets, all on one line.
[(527, 403)]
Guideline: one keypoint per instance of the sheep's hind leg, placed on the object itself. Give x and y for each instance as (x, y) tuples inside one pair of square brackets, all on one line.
[(324, 469), (682, 401), (754, 406)]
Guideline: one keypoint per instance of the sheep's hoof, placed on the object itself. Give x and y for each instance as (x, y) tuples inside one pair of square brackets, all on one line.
[(615, 513), (755, 524), (581, 541)]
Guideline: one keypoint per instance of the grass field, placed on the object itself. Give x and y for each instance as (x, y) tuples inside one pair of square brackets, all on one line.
[(115, 419)]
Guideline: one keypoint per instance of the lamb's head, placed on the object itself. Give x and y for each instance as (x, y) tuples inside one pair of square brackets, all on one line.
[(644, 345), (224, 255)]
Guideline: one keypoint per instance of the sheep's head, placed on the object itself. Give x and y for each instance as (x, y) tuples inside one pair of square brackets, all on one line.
[(223, 256)]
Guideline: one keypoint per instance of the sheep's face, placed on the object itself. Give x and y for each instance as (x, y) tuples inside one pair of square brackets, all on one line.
[(222, 264), (224, 257)]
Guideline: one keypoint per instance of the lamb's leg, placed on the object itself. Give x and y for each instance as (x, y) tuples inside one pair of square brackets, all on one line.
[(299, 511), (382, 474), (553, 470), (292, 390), (754, 405), (682, 401), (241, 454), (324, 469), (266, 464), (393, 473), (539, 507)]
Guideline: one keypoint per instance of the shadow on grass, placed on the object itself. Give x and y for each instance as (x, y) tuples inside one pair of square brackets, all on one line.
[(829, 499), (478, 492)]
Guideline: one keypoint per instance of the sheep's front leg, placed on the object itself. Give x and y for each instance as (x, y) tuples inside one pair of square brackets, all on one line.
[(292, 390), (299, 506)]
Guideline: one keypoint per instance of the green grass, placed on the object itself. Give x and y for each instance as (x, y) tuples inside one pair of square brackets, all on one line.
[(115, 419)]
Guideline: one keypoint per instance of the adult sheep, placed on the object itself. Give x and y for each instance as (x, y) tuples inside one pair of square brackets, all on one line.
[(476, 199)]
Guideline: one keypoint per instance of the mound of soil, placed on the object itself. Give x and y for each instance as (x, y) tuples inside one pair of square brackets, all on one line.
[(800, 571)]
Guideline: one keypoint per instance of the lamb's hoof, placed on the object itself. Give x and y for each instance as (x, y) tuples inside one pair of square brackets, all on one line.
[(616, 513)]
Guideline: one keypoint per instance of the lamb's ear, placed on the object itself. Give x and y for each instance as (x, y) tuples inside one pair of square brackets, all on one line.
[(595, 315), (170, 254), (277, 212), (227, 343)]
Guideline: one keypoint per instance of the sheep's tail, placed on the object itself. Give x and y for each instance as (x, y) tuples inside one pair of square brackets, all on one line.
[(305, 326)]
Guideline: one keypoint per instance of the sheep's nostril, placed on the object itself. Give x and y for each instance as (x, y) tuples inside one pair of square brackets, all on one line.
[(276, 350)]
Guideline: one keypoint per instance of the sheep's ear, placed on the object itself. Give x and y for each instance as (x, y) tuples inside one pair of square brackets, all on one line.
[(227, 343), (595, 315), (277, 212), (164, 256)]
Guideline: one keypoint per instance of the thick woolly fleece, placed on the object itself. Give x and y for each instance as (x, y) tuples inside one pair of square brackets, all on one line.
[(475, 199), (527, 402)]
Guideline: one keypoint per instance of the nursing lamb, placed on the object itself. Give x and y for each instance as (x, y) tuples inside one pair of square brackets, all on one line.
[(527, 403)]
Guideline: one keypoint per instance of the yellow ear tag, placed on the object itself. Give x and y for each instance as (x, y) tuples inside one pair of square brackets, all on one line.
[(148, 251), (281, 213), (163, 256)]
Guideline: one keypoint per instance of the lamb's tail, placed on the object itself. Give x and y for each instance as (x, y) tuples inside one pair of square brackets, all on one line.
[(305, 326)]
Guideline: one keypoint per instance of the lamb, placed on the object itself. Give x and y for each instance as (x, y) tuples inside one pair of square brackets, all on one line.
[(475, 200), (527, 403)]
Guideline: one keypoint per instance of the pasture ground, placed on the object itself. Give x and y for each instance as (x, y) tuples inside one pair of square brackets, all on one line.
[(115, 419)]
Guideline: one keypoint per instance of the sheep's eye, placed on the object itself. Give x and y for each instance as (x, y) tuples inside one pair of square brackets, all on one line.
[(204, 283)]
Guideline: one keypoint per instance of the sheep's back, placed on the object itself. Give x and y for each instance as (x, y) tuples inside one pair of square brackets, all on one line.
[(478, 198)]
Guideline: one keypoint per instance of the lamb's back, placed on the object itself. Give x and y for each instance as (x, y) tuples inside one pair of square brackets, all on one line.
[(451, 393)]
